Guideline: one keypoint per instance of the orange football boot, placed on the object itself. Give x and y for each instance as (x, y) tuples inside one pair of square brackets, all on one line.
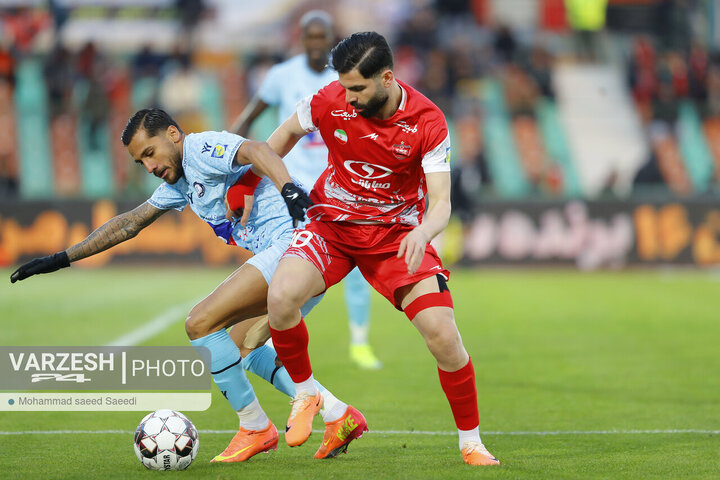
[(475, 453), (247, 443), (299, 424), (341, 432)]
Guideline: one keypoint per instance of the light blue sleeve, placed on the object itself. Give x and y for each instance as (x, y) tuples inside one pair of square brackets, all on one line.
[(271, 87), (212, 153), (166, 197)]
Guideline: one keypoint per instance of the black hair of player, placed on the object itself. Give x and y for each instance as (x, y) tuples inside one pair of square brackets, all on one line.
[(152, 120), (369, 52)]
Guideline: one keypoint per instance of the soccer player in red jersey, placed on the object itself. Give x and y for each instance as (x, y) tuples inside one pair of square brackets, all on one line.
[(388, 150)]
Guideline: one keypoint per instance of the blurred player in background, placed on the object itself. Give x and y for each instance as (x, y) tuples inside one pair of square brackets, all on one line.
[(389, 150), (285, 85), (201, 170)]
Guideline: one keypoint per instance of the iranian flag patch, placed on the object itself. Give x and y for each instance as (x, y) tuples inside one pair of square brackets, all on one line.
[(341, 136)]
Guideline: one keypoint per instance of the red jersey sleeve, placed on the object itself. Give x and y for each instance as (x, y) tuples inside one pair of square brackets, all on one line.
[(311, 107), (436, 144)]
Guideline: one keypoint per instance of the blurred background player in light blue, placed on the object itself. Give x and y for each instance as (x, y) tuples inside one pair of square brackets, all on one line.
[(284, 85)]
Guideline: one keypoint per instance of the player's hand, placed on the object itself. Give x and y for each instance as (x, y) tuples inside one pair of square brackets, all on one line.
[(241, 212), (47, 264), (297, 202), (413, 247), (240, 197)]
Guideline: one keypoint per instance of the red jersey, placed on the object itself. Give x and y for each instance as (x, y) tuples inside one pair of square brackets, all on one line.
[(376, 168)]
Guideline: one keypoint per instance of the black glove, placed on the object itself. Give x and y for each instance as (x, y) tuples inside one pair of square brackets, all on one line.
[(47, 264), (297, 201)]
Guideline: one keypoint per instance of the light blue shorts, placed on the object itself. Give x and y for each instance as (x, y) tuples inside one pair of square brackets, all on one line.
[(267, 262)]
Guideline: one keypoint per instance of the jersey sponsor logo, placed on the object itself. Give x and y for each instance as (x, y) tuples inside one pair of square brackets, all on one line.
[(365, 170), (199, 189), (206, 148), (406, 127), (219, 151), (343, 114), (341, 136), (373, 136), (401, 150), (371, 185)]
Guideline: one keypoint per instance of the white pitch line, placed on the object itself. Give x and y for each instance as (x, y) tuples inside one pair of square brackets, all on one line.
[(400, 432), (153, 327)]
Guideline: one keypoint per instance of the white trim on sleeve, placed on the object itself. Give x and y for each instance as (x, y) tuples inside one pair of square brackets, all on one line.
[(438, 159), (304, 113), (233, 165)]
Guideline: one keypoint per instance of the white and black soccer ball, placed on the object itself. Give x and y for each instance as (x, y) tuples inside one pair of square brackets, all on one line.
[(166, 440)]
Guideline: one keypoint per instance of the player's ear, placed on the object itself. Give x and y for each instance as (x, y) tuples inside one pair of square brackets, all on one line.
[(173, 133), (387, 77)]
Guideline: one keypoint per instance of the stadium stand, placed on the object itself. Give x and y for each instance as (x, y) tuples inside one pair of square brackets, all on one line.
[(544, 100), (36, 162)]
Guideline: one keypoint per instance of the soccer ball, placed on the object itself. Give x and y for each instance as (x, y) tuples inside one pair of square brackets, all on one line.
[(166, 440)]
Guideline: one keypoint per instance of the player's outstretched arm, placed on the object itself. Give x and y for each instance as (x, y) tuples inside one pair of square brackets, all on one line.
[(116, 230), (266, 162), (412, 246), (241, 125)]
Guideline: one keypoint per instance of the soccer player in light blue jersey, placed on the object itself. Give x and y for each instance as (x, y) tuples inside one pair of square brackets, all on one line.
[(199, 170), (285, 84)]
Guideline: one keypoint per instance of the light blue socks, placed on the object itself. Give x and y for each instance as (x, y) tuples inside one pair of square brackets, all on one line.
[(261, 362), (227, 369), (357, 299)]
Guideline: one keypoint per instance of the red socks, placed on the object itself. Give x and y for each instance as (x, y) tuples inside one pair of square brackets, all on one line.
[(291, 346), (461, 392)]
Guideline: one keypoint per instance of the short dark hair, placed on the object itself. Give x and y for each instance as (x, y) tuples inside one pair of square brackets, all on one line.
[(369, 52), (152, 120)]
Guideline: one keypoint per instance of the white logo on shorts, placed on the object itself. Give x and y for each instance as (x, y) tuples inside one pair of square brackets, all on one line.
[(301, 238)]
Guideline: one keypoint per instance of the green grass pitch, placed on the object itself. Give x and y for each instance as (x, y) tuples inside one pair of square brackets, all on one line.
[(558, 355)]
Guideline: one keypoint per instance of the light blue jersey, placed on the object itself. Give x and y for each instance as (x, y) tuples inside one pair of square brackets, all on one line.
[(209, 167), (286, 84)]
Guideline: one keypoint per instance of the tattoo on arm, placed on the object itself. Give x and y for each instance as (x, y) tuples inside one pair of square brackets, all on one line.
[(116, 230)]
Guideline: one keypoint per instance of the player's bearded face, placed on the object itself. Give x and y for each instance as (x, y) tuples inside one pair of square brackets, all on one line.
[(374, 103), (175, 166), (160, 155)]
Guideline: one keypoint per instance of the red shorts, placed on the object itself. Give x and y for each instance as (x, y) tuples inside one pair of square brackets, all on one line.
[(335, 248)]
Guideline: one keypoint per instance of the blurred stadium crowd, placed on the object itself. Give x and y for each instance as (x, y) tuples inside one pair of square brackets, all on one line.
[(532, 89)]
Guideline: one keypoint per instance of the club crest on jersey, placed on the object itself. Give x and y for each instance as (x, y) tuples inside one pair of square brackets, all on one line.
[(218, 151), (341, 136), (401, 150), (199, 188)]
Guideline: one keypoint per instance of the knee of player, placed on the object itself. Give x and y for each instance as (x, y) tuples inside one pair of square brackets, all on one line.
[(282, 296), (443, 334), (196, 323)]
